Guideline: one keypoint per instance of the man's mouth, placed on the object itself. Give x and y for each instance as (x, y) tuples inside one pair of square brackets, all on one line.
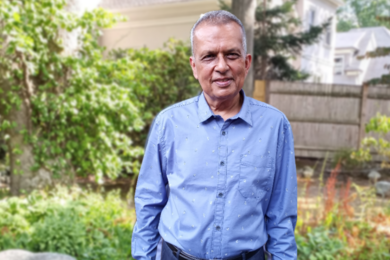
[(223, 82)]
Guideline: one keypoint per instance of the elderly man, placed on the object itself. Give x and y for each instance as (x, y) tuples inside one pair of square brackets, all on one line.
[(218, 178)]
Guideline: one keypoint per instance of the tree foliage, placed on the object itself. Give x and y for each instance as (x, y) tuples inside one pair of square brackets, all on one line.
[(362, 13), (79, 117), (86, 114), (165, 78), (278, 39), (169, 79)]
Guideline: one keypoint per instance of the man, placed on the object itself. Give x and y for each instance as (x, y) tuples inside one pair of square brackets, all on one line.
[(218, 178)]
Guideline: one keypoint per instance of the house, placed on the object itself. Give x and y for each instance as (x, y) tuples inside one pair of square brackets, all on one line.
[(151, 23), (351, 70), (317, 59)]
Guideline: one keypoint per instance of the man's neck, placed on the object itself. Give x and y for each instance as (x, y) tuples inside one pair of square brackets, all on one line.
[(225, 108)]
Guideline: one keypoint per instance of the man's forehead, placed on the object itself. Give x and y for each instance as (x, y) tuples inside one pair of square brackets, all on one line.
[(206, 33), (207, 27)]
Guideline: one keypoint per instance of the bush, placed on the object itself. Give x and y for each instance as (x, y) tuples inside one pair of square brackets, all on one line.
[(71, 221), (166, 79), (318, 244)]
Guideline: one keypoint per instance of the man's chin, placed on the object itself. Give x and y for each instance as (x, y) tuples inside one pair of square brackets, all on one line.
[(225, 94)]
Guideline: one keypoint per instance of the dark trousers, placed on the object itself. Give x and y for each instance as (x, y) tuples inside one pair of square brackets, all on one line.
[(167, 254)]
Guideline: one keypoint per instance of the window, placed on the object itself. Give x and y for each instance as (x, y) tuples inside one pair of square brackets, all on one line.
[(339, 65), (328, 34), (312, 17)]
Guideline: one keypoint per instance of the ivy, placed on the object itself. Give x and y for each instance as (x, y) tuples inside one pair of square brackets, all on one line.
[(82, 119)]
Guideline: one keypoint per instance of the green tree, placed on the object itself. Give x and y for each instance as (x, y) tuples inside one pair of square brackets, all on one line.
[(168, 77), (59, 111), (278, 39), (362, 13)]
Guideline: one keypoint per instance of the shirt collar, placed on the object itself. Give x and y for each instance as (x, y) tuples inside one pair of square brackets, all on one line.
[(204, 111)]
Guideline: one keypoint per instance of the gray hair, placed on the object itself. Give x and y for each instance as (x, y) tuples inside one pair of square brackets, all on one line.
[(218, 17)]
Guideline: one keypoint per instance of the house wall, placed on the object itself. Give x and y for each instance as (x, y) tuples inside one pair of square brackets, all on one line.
[(317, 59), (153, 25), (347, 56)]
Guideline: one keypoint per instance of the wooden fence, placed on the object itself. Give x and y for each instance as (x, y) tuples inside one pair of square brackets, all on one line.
[(325, 118)]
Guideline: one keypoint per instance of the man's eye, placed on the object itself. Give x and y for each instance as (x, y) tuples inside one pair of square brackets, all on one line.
[(232, 55), (208, 57)]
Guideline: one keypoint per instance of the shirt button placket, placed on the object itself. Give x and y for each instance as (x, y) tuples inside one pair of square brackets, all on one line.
[(220, 194)]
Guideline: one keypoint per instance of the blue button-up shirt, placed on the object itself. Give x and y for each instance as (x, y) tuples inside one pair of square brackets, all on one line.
[(217, 188)]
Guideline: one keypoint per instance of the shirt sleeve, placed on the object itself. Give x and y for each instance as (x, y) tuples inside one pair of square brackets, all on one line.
[(281, 215), (150, 197)]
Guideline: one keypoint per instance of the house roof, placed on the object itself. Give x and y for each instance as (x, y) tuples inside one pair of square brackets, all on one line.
[(364, 40), (347, 40), (381, 34), (120, 4), (336, 2)]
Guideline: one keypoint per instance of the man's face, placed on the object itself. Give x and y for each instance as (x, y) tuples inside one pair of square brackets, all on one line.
[(219, 61)]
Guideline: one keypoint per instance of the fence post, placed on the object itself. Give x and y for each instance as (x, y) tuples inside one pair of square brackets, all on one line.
[(267, 91), (363, 110)]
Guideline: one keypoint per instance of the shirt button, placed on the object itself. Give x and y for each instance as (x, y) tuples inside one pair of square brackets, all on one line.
[(223, 133), (220, 194), (218, 228), (222, 163)]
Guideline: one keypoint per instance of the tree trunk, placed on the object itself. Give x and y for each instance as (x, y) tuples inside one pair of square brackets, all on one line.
[(264, 60), (21, 159), (263, 68), (245, 11)]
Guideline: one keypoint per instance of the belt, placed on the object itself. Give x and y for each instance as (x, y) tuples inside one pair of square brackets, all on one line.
[(185, 256)]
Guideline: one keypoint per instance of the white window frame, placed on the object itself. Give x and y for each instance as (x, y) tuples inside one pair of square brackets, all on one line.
[(329, 34), (312, 16), (339, 66)]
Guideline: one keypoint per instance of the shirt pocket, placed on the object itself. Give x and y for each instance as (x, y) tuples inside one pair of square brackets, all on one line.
[(255, 176)]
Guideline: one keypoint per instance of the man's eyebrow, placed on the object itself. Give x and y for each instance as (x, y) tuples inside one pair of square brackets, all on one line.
[(208, 52), (234, 50)]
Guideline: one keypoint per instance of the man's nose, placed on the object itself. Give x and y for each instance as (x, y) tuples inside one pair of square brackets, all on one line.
[(221, 66)]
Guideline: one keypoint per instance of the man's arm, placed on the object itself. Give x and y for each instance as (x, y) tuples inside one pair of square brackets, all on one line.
[(281, 214), (150, 197)]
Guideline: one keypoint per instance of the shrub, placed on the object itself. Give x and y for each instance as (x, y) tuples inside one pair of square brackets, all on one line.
[(318, 244), (380, 125), (79, 223)]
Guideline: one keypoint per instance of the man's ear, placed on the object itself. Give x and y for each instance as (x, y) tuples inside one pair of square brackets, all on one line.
[(192, 63), (248, 62)]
